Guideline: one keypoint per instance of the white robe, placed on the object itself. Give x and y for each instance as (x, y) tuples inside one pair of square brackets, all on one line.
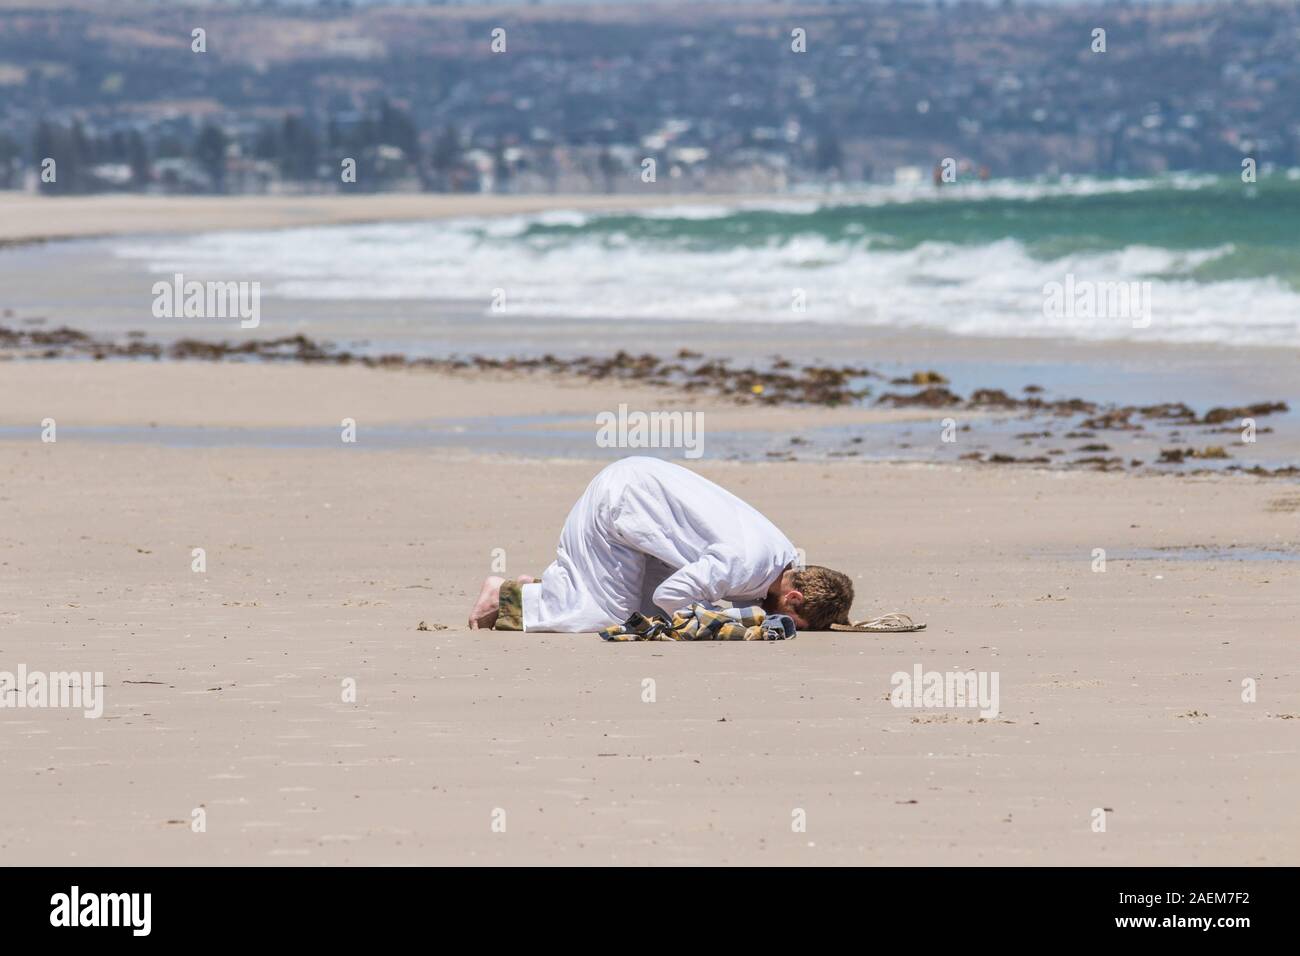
[(651, 536)]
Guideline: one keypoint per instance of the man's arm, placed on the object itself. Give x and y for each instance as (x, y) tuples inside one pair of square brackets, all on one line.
[(706, 580)]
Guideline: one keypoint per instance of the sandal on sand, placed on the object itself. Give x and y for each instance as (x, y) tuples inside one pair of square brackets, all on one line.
[(889, 623)]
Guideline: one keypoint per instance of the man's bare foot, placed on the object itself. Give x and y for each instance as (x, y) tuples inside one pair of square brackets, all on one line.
[(489, 601), (488, 604)]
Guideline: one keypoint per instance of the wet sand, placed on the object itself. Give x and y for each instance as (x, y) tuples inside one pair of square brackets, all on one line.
[(241, 392)]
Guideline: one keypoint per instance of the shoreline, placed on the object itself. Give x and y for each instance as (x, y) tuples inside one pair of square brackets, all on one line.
[(114, 295), (31, 219), (114, 291), (293, 392)]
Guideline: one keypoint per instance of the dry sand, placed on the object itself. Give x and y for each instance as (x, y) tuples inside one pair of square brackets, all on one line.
[(1118, 690)]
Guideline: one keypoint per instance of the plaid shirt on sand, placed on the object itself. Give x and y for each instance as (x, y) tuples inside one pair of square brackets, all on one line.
[(702, 623)]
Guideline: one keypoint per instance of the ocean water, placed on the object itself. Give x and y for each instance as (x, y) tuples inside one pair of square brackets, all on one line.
[(1202, 260)]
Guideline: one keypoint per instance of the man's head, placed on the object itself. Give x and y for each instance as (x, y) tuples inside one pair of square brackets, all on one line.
[(815, 597)]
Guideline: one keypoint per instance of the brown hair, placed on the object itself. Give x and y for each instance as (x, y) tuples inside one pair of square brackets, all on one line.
[(827, 596)]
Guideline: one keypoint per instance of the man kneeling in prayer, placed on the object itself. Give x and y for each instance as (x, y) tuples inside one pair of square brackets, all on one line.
[(650, 541)]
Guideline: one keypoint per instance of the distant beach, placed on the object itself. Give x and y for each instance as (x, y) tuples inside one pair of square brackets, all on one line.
[(27, 218)]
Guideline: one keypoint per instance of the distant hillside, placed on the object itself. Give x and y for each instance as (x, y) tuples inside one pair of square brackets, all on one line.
[(862, 91)]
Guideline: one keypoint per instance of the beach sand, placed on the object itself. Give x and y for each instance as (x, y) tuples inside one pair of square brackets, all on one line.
[(223, 691)]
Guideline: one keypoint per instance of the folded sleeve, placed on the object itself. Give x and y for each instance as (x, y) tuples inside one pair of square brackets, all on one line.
[(706, 580)]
